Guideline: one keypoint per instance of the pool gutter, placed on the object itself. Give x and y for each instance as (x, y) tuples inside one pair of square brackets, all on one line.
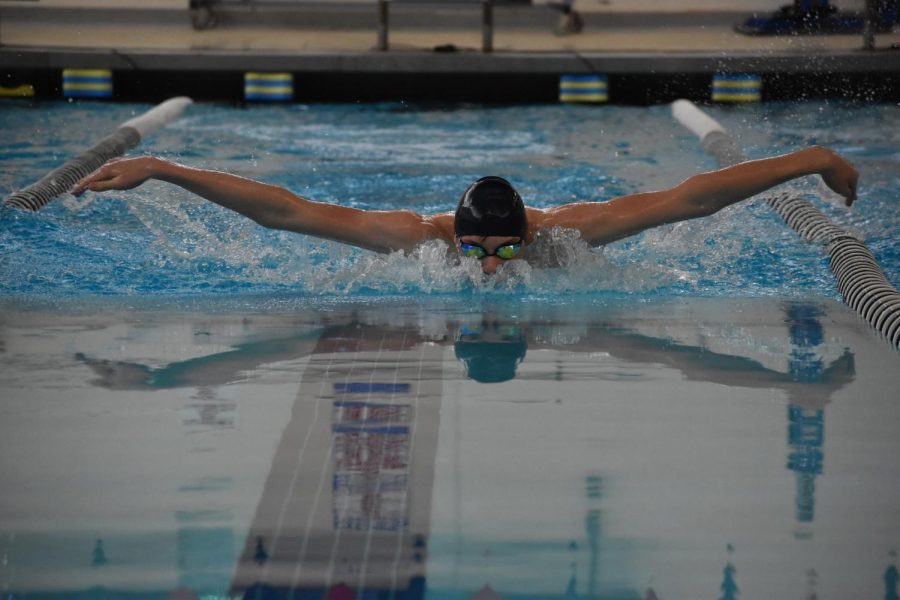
[(506, 76)]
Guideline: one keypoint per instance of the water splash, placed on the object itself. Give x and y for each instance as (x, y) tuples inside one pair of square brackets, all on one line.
[(158, 240)]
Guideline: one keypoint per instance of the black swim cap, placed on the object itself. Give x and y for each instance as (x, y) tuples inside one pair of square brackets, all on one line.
[(491, 206), (491, 362)]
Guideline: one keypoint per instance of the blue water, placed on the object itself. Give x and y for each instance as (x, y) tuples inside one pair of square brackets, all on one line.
[(689, 413), (159, 241)]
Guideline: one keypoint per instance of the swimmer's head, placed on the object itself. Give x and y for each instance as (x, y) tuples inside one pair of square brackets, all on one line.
[(490, 223), (490, 351), (491, 207)]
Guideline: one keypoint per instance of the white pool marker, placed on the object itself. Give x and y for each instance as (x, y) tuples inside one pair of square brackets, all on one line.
[(687, 113)]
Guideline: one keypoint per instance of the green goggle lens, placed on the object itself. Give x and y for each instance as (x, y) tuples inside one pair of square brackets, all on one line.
[(506, 251)]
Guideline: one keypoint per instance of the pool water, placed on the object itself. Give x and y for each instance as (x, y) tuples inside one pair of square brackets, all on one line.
[(158, 240), (669, 449), (195, 407)]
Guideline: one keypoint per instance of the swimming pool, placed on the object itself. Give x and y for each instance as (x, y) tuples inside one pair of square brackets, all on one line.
[(159, 241), (194, 407)]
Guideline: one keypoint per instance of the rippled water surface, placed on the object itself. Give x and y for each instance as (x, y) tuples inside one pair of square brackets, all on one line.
[(453, 449), (158, 240), (193, 407)]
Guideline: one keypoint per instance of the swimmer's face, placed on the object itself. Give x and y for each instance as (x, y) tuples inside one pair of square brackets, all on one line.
[(498, 249)]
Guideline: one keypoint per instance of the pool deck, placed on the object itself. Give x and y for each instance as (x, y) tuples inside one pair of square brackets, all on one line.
[(328, 38), (699, 41)]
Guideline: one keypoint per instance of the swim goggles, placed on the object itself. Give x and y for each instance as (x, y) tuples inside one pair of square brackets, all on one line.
[(477, 332), (505, 252)]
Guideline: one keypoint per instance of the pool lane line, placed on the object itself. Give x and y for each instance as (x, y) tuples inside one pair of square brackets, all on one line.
[(127, 136), (860, 280)]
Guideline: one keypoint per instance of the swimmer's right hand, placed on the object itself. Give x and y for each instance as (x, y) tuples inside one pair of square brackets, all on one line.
[(117, 174)]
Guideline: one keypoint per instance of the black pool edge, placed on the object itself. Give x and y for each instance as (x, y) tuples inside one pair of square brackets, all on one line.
[(461, 76)]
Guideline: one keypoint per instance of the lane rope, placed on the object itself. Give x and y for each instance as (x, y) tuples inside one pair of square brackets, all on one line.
[(127, 136), (860, 280)]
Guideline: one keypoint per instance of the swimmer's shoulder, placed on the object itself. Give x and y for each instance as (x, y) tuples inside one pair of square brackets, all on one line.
[(537, 220), (441, 226)]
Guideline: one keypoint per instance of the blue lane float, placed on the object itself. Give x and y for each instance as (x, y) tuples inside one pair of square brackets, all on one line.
[(736, 87), (128, 135), (87, 83), (583, 88), (268, 87)]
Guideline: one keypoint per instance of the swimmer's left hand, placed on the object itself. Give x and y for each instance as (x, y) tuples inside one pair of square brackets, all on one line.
[(839, 175)]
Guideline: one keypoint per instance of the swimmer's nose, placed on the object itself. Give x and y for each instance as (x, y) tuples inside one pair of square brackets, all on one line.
[(489, 264)]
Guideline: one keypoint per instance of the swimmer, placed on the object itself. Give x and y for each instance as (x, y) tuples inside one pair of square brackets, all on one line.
[(491, 222)]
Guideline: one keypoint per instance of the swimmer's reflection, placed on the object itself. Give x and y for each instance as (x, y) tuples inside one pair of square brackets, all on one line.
[(492, 347), (346, 503), (491, 350)]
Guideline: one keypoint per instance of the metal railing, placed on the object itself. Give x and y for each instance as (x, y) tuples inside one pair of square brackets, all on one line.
[(205, 12)]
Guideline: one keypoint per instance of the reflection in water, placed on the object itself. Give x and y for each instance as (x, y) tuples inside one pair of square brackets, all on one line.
[(260, 555), (806, 434), (890, 579), (346, 507), (346, 504), (806, 414), (730, 590), (207, 411), (491, 350), (593, 529), (98, 558), (812, 580), (201, 550), (492, 346)]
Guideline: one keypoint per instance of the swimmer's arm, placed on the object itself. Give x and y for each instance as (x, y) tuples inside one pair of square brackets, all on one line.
[(269, 205), (702, 195)]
